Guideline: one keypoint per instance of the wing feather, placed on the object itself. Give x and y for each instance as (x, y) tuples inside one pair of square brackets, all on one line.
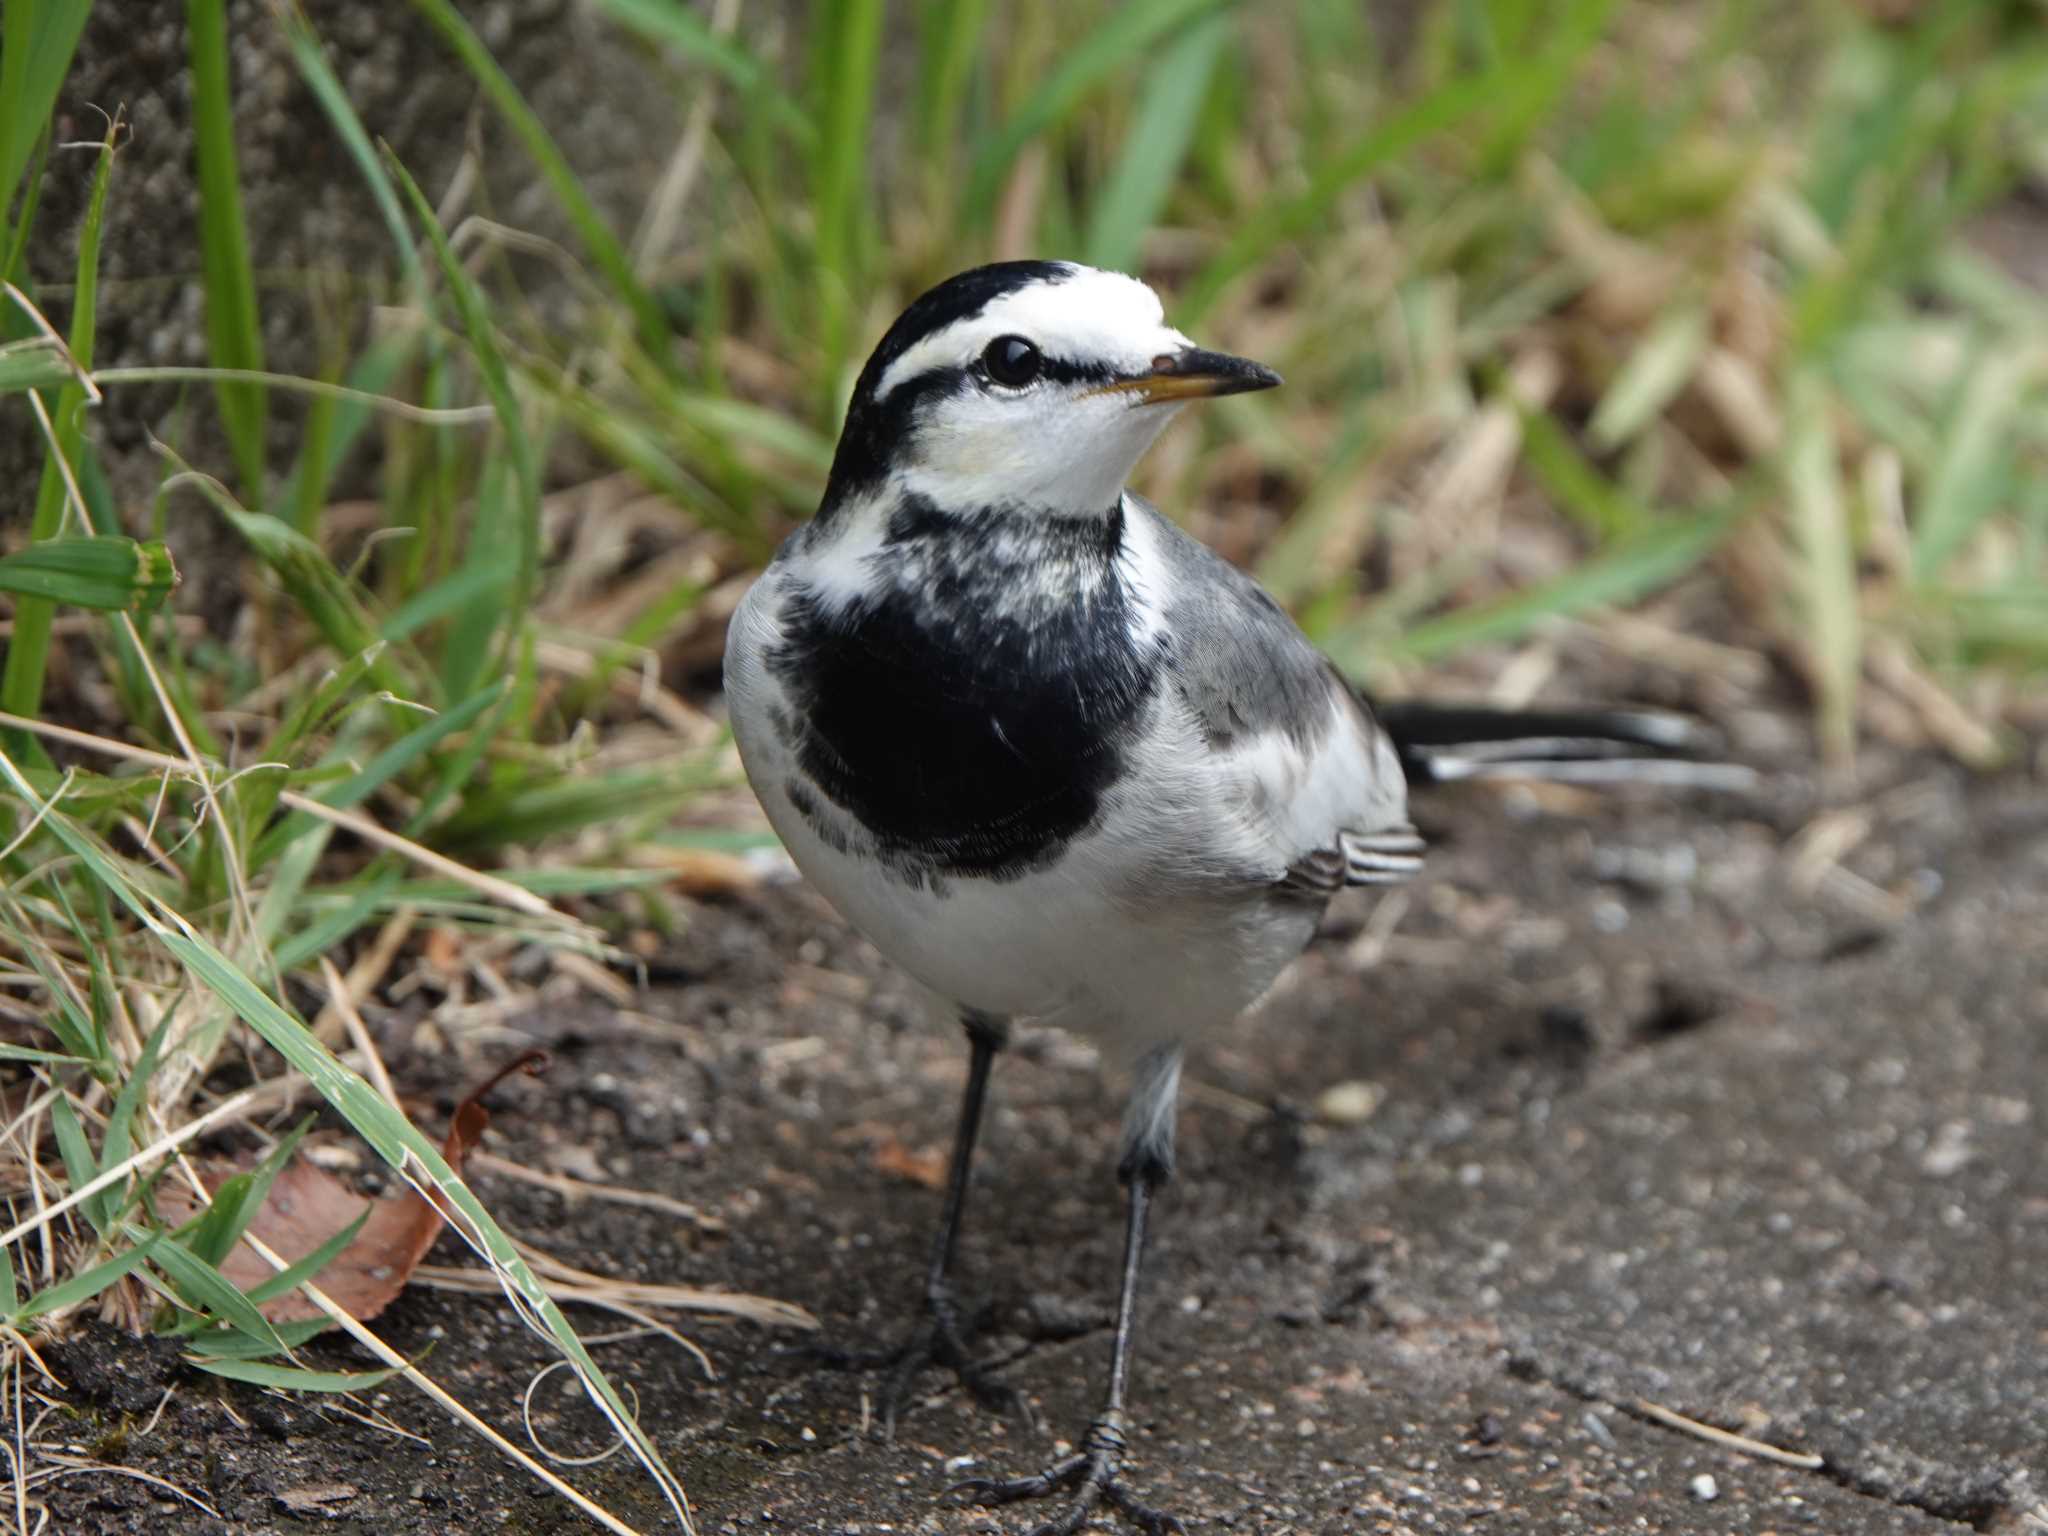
[(1324, 799)]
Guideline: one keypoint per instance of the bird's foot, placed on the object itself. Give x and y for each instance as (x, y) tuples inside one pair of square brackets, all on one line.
[(1091, 1475), (939, 1339)]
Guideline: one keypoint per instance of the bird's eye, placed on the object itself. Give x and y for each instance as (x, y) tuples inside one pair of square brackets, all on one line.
[(1011, 360)]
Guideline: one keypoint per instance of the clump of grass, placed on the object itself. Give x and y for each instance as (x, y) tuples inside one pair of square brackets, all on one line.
[(1577, 302)]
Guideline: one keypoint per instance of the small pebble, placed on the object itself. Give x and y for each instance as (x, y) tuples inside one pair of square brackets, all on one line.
[(1705, 1489), (1351, 1103), (1949, 1153)]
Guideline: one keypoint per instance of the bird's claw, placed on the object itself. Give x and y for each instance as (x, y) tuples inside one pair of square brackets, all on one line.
[(939, 1338), (1091, 1473)]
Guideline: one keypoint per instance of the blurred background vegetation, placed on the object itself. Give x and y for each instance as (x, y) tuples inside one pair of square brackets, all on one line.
[(1689, 349)]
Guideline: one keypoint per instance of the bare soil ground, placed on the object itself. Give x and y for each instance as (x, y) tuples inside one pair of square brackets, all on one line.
[(1672, 1108)]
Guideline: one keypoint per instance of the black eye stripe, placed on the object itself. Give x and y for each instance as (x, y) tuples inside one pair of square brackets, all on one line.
[(1060, 370), (1001, 359)]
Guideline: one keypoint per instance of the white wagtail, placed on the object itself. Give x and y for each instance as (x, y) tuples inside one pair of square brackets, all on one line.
[(1053, 756)]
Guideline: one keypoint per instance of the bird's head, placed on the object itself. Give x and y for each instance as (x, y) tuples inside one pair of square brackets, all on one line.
[(1033, 384)]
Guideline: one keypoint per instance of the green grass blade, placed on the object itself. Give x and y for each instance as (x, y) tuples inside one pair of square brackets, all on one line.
[(233, 330), (29, 1053), (334, 692), (1828, 592), (467, 640), (21, 682), (73, 1027), (598, 240), (111, 575), (328, 90), (292, 1378), (387, 765), (555, 807), (642, 634), (37, 40), (330, 928), (673, 25), (320, 591), (741, 422), (1534, 81), (1265, 230), (460, 765), (452, 594), (1572, 482), (80, 1166), (217, 1343), (949, 39), (1660, 366), (410, 748), (1120, 38), (1133, 197), (1975, 463), (213, 1235), (14, 325), (333, 429), (516, 522), (207, 1291), (335, 426), (844, 64), (232, 1205), (118, 1141), (1623, 573), (84, 1285), (33, 365)]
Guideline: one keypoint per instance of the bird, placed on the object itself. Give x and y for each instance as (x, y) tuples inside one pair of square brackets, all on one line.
[(1062, 763)]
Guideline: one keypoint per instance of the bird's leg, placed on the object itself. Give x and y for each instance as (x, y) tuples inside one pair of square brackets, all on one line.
[(939, 1337), (1092, 1475)]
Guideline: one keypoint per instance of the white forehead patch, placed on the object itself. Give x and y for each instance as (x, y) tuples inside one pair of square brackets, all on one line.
[(1089, 316)]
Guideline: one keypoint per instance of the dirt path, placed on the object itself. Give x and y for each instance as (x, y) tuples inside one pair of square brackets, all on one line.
[(1655, 1123)]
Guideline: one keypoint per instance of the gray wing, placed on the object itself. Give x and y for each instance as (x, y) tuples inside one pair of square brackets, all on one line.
[(1241, 664), (1253, 682)]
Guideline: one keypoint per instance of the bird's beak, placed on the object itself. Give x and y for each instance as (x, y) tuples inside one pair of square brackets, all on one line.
[(1193, 373)]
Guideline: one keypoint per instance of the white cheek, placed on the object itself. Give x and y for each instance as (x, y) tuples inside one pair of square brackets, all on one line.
[(1043, 449)]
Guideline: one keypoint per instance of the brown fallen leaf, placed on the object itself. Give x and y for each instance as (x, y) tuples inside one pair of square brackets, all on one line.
[(443, 950), (307, 1205), (701, 871), (928, 1167)]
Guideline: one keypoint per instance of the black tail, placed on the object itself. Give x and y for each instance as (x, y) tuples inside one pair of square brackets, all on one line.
[(1443, 743)]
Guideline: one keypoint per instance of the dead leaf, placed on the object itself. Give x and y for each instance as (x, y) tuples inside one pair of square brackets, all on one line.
[(702, 871), (443, 950), (927, 1167), (307, 1205)]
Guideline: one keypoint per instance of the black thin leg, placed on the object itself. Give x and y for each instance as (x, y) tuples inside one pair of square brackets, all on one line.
[(985, 1037), (1140, 1203), (1092, 1473), (940, 1336)]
